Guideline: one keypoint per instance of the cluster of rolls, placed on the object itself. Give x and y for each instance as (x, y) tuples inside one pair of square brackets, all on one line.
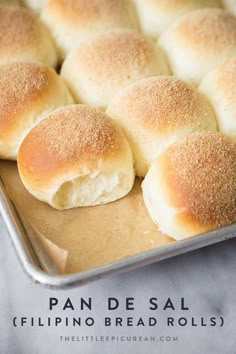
[(94, 93)]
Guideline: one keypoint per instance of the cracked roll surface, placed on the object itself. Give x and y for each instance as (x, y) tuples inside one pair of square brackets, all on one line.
[(28, 92), (76, 157), (199, 41), (157, 111), (191, 186)]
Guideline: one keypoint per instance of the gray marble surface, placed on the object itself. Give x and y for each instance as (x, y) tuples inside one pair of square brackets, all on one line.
[(205, 278)]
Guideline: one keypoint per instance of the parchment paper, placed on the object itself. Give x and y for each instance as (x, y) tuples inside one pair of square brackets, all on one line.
[(83, 238)]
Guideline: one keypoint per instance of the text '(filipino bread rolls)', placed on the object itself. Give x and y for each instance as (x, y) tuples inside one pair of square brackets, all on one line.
[(28, 91), (157, 15), (74, 21), (76, 157), (191, 186), (157, 111), (220, 88), (199, 41), (108, 62), (24, 38)]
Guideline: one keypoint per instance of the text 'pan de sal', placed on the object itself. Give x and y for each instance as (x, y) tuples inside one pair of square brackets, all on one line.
[(230, 5), (191, 186), (24, 38), (103, 65), (157, 111), (220, 87), (35, 5), (74, 21), (157, 15), (77, 156), (199, 41), (28, 92)]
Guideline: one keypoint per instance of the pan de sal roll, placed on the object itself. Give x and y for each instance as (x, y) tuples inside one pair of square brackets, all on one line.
[(220, 87), (103, 65), (157, 111), (28, 92), (156, 15), (199, 41), (73, 21), (191, 186), (76, 157), (24, 38)]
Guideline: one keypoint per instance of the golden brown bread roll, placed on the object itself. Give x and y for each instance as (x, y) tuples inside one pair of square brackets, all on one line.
[(220, 87), (157, 111), (103, 65), (24, 38), (157, 15), (191, 186), (76, 157), (28, 92), (199, 41), (74, 21)]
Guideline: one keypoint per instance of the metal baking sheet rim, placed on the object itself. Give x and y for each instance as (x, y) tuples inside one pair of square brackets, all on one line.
[(31, 264)]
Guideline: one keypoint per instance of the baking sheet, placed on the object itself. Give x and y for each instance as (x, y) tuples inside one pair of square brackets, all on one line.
[(84, 238)]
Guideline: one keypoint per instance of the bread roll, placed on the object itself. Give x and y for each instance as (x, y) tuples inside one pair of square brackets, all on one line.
[(199, 41), (76, 157), (24, 38), (35, 5), (28, 92), (191, 186), (74, 21), (156, 15), (220, 87), (157, 111), (230, 5), (103, 65)]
